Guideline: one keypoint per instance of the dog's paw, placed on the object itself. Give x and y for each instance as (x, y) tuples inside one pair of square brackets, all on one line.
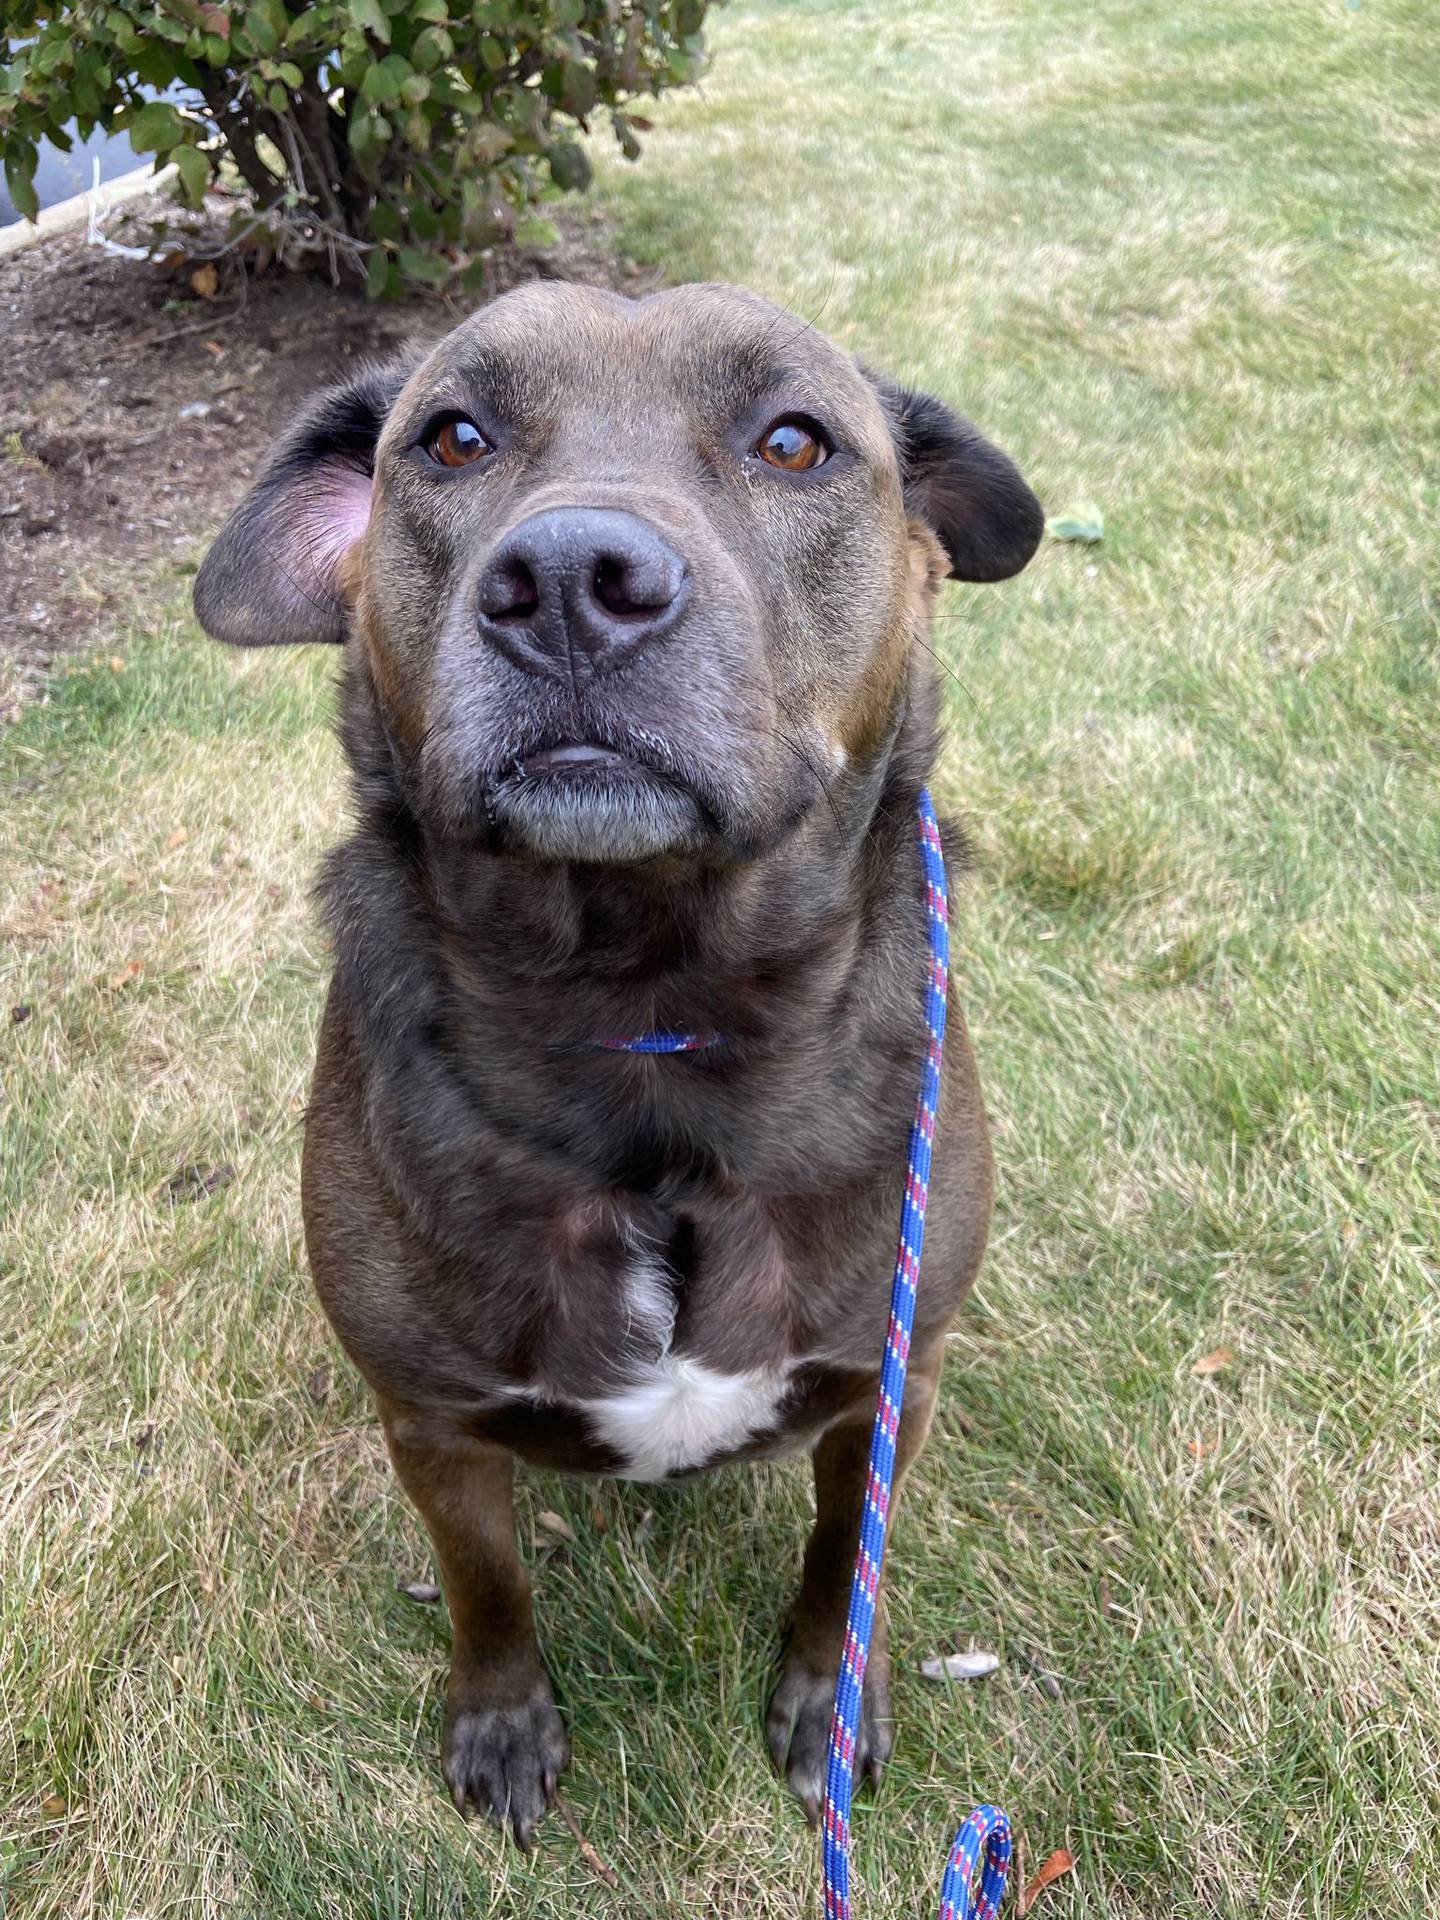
[(506, 1761), (797, 1730)]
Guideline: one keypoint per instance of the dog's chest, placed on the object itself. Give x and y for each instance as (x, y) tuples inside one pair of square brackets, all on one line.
[(650, 1347), (667, 1410), (680, 1414)]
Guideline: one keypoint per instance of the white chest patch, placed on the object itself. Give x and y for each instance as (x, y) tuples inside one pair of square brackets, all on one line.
[(679, 1413)]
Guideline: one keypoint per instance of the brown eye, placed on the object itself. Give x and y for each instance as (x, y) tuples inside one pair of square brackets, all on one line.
[(792, 445), (457, 443)]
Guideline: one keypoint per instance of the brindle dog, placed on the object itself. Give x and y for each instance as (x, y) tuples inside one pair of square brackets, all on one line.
[(638, 701)]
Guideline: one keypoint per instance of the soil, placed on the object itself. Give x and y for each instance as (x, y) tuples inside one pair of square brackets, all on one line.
[(136, 398)]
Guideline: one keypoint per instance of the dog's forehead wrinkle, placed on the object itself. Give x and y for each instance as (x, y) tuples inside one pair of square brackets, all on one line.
[(703, 348)]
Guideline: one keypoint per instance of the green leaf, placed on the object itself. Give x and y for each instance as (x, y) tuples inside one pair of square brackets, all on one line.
[(20, 179), (194, 169), (578, 89), (261, 31), (424, 267), (1083, 522), (380, 83), (432, 49), (378, 269), (156, 128), (368, 133), (369, 15), (384, 221), (533, 231), (154, 64), (569, 167), (430, 10)]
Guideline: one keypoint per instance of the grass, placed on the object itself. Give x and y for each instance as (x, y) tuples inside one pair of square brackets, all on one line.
[(1179, 259)]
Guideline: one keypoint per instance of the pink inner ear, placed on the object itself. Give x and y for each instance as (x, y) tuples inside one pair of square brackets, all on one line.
[(332, 511)]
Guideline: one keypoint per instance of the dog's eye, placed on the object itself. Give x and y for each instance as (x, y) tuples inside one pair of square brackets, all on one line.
[(793, 445), (456, 442)]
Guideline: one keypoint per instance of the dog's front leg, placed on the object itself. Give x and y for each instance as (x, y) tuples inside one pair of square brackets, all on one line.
[(797, 1725), (504, 1745)]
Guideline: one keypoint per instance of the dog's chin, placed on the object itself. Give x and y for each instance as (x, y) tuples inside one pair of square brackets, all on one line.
[(596, 807)]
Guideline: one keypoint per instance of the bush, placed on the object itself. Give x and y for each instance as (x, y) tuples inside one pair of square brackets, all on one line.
[(400, 139)]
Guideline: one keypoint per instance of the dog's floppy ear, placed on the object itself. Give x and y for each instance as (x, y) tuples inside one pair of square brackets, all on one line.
[(971, 494), (272, 577)]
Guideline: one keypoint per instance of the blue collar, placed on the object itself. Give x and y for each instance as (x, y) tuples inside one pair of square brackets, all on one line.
[(661, 1041)]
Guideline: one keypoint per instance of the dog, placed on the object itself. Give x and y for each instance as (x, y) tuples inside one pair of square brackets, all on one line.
[(638, 703)]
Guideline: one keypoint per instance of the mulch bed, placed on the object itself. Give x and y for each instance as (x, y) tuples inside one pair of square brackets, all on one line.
[(133, 410)]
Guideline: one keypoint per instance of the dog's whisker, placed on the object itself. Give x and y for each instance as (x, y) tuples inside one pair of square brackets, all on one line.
[(945, 667)]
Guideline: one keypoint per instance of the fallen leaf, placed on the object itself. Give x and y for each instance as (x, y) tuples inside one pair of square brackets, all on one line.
[(193, 1182), (556, 1524), (1200, 1446), (1059, 1862), (205, 281), (318, 1386), (54, 1806), (20, 1013), (127, 974), (214, 346), (117, 663), (425, 1591), (960, 1666), (1215, 1361), (1084, 522), (599, 1519), (177, 838)]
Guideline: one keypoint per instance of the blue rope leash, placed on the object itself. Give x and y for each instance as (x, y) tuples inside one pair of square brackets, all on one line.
[(986, 1833), (974, 1882)]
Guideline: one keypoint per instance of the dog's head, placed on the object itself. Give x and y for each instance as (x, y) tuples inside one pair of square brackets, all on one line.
[(630, 578)]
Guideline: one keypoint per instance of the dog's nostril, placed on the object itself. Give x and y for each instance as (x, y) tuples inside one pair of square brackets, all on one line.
[(512, 593), (612, 586), (626, 590)]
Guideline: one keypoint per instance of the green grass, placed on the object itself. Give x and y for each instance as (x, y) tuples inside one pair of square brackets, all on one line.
[(1179, 258)]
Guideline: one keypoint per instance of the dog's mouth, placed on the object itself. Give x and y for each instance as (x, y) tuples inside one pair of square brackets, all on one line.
[(605, 804), (579, 760)]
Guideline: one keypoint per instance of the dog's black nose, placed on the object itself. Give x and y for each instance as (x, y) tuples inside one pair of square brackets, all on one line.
[(580, 589)]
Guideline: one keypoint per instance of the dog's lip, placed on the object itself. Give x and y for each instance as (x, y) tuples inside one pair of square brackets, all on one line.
[(577, 756), (587, 765)]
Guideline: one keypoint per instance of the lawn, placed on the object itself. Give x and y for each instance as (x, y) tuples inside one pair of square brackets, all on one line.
[(1180, 259)]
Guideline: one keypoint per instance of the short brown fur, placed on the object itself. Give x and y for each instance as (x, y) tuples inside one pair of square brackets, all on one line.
[(480, 1179)]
